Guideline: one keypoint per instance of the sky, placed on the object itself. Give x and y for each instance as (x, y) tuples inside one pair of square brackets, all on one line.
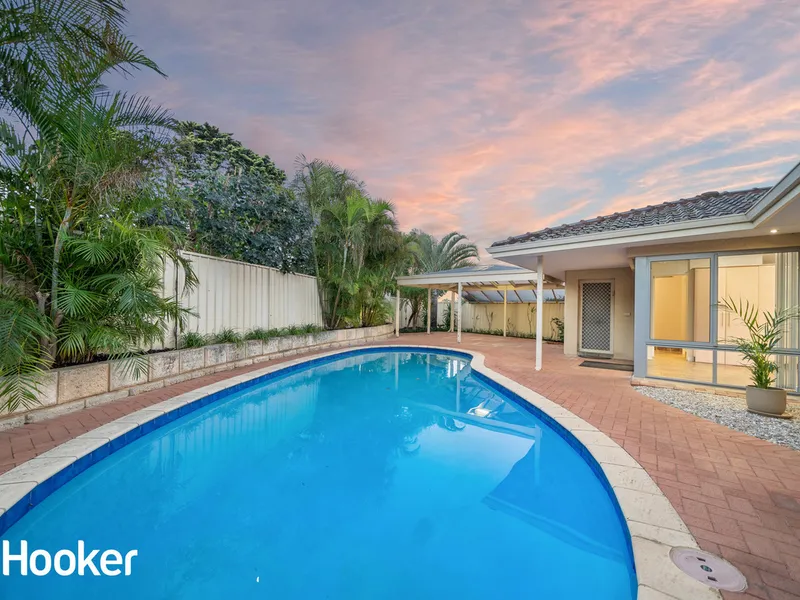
[(493, 118)]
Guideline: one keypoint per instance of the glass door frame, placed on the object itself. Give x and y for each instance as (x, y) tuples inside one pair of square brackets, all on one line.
[(643, 304)]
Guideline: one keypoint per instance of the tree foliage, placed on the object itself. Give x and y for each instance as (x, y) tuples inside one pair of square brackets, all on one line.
[(358, 249), (59, 46), (430, 255), (204, 151), (245, 218), (82, 276), (232, 202), (453, 251)]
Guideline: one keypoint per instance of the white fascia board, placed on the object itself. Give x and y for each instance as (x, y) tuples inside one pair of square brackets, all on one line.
[(776, 197), (789, 197)]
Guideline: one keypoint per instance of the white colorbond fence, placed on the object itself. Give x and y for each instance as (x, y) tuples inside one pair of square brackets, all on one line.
[(485, 316), (521, 317), (242, 296)]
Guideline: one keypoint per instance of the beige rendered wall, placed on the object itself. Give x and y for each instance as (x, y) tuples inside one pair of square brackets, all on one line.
[(521, 317), (623, 309)]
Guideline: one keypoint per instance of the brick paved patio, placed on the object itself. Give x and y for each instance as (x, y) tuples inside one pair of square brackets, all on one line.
[(740, 496)]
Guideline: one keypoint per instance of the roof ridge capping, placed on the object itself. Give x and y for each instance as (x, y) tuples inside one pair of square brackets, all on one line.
[(705, 205)]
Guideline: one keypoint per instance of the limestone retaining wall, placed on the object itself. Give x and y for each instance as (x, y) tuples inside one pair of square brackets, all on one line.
[(73, 388)]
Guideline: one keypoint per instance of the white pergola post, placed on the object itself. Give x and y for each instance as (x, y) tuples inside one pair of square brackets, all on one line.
[(459, 312), (505, 308), (397, 314), (539, 310), (429, 311), (452, 311)]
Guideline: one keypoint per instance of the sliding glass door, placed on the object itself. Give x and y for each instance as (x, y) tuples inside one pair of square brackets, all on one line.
[(692, 338)]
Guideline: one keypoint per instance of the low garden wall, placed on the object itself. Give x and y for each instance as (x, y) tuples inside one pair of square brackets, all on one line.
[(73, 388)]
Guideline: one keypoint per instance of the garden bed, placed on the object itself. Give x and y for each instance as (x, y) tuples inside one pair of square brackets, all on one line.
[(73, 388)]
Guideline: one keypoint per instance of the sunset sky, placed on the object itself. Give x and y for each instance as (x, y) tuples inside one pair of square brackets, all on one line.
[(493, 118)]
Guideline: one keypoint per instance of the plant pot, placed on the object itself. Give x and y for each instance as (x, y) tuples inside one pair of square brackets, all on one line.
[(766, 401)]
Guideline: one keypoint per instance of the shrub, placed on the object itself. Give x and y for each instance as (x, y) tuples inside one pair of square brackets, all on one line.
[(558, 324), (192, 339), (227, 336), (259, 333)]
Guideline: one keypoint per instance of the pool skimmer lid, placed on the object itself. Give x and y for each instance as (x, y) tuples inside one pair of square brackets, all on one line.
[(712, 570)]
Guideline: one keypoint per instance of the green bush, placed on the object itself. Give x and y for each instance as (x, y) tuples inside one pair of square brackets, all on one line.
[(227, 336), (192, 339), (259, 333), (81, 166), (558, 324)]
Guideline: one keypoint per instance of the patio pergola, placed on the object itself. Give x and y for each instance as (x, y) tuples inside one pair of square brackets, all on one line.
[(485, 281)]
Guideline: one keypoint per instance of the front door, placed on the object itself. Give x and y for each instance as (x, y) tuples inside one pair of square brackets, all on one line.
[(596, 316)]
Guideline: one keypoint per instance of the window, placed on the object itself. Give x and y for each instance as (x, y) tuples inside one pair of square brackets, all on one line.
[(686, 364), (680, 293), (767, 281), (733, 370), (685, 296)]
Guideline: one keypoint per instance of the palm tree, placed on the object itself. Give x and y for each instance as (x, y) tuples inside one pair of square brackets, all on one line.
[(453, 251), (346, 223), (53, 48), (82, 275), (386, 254), (323, 186)]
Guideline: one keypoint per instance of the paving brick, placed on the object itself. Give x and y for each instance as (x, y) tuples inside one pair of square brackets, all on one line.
[(721, 539), (739, 504), (762, 546)]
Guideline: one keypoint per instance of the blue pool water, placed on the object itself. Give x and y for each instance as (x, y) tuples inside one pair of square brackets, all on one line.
[(395, 474)]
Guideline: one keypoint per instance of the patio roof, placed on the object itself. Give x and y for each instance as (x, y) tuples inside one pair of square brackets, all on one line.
[(485, 283)]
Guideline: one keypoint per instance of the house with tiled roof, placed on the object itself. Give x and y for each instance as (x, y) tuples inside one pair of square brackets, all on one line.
[(643, 286)]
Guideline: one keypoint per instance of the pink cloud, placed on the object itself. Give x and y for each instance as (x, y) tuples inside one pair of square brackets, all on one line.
[(496, 120)]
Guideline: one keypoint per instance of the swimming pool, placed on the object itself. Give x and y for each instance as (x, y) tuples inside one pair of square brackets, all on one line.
[(372, 474)]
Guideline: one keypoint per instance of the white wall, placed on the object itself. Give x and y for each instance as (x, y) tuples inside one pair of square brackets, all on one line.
[(242, 296)]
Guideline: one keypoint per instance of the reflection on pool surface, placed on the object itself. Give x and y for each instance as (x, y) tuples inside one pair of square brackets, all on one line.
[(380, 475)]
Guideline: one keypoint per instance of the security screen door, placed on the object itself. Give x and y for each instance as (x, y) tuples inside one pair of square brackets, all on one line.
[(596, 317)]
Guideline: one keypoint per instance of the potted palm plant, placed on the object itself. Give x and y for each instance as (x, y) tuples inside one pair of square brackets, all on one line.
[(765, 330)]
